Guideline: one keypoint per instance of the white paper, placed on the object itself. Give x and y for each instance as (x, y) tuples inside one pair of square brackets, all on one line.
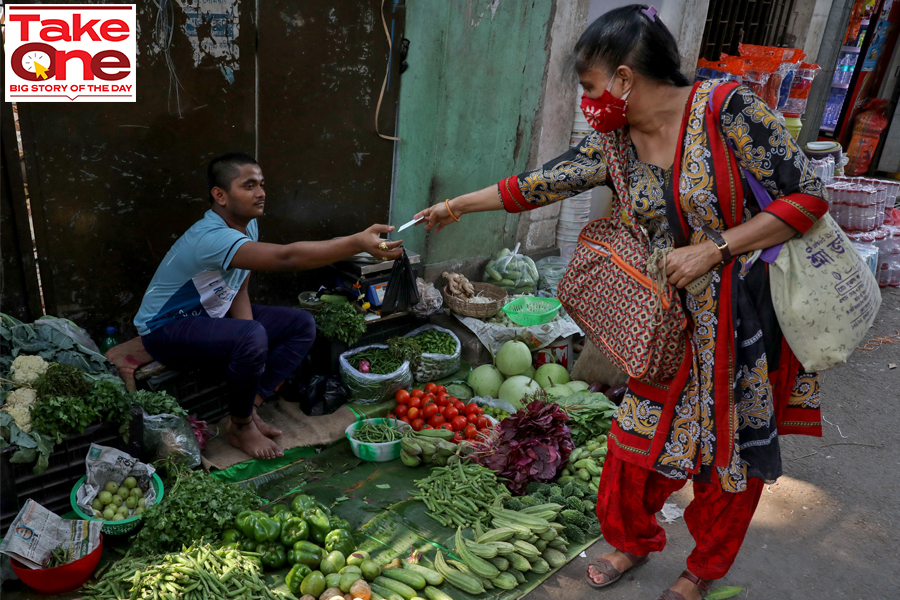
[(36, 532)]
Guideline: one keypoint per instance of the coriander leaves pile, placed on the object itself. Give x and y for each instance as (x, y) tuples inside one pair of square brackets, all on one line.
[(196, 506)]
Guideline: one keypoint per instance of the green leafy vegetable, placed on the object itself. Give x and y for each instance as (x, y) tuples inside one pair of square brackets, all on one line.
[(197, 506), (381, 361), (591, 415), (341, 322)]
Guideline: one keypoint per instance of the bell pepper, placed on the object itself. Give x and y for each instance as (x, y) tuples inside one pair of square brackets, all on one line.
[(268, 528), (281, 512), (230, 536), (318, 523), (232, 545), (340, 540), (306, 553), (302, 503), (273, 555), (322, 507), (295, 577), (335, 522), (294, 530), (248, 545), (247, 522)]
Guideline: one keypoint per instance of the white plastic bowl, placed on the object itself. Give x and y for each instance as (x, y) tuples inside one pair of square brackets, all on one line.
[(376, 452)]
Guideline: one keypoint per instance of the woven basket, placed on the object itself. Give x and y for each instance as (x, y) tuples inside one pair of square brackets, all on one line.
[(476, 310)]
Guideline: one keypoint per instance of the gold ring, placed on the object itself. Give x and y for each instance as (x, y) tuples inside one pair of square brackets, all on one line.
[(383, 245)]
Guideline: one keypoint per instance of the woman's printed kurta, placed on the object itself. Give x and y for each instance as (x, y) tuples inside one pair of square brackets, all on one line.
[(746, 387)]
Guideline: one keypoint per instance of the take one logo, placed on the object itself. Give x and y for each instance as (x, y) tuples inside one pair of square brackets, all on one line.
[(71, 53)]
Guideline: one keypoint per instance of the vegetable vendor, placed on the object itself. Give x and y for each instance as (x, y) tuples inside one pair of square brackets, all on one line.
[(664, 146), (197, 311)]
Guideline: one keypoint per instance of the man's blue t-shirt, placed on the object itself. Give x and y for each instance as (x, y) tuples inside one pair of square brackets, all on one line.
[(194, 279)]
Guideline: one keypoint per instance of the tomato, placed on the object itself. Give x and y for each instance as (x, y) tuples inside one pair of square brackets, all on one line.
[(429, 411), (418, 424), (452, 399), (391, 416), (482, 422), (430, 387), (441, 390), (450, 412), (471, 418), (427, 427), (471, 408), (459, 406), (480, 411), (427, 398), (404, 419), (415, 402), (437, 421), (446, 426), (417, 393), (402, 397), (459, 423), (413, 413), (401, 410), (457, 438), (441, 400), (471, 432)]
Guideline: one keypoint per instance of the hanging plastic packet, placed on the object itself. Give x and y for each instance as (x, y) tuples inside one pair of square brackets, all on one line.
[(514, 272), (782, 79), (763, 76), (730, 68), (402, 292), (800, 87)]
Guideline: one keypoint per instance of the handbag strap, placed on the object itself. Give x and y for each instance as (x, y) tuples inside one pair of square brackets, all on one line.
[(759, 191)]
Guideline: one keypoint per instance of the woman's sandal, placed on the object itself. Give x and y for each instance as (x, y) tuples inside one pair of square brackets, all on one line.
[(606, 568), (703, 584)]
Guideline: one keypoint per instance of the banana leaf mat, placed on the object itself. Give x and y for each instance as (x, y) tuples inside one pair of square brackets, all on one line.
[(375, 499)]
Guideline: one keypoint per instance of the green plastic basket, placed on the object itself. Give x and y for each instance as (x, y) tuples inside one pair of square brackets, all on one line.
[(115, 527), (532, 310)]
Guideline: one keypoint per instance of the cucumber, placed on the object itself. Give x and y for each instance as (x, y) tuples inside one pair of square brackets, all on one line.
[(387, 594), (431, 576), (333, 299), (397, 587), (435, 594), (410, 578)]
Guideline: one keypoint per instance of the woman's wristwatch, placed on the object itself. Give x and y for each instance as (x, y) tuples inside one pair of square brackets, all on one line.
[(720, 243)]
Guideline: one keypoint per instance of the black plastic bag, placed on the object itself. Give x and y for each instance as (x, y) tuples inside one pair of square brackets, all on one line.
[(402, 292), (321, 395)]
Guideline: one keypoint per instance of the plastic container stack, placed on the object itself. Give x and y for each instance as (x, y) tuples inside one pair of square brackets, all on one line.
[(864, 209)]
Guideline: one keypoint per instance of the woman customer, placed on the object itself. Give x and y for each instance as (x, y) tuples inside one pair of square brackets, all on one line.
[(744, 387)]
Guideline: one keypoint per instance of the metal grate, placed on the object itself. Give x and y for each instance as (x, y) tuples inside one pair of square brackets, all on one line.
[(733, 22)]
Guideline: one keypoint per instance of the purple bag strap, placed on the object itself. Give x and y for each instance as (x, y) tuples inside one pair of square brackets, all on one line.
[(756, 187)]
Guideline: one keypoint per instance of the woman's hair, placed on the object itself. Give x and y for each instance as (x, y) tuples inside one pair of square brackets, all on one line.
[(633, 36)]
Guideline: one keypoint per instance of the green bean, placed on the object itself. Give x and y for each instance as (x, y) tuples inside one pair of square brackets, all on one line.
[(376, 433)]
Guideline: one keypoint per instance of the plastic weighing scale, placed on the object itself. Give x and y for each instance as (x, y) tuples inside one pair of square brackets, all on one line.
[(371, 273)]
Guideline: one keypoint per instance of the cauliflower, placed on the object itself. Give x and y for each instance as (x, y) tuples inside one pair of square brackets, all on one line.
[(18, 405), (27, 369)]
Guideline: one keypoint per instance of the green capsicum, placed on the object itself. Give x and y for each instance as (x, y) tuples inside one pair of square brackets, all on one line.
[(318, 523), (273, 555), (340, 540), (335, 522), (267, 529), (322, 507), (294, 530), (247, 522), (306, 553), (230, 536), (281, 512), (295, 577), (302, 503), (248, 545)]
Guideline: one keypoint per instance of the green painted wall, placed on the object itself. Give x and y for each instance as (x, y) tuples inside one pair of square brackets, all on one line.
[(467, 105)]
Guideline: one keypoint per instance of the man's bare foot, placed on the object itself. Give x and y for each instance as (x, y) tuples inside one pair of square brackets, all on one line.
[(248, 438), (264, 428)]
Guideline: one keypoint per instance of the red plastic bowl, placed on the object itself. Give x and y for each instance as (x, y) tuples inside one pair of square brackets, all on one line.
[(61, 579)]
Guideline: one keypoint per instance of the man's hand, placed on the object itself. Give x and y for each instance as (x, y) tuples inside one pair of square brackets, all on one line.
[(370, 241), (684, 265)]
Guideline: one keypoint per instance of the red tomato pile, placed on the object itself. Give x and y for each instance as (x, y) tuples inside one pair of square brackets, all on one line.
[(433, 408)]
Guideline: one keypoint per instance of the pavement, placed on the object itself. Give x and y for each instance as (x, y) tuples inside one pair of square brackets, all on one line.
[(828, 527)]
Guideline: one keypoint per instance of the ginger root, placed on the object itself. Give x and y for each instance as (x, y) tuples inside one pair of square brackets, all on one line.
[(458, 285)]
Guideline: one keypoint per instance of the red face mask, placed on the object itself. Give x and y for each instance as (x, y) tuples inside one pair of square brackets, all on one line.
[(606, 113)]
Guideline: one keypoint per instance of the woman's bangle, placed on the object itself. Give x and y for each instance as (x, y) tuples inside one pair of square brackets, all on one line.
[(452, 216)]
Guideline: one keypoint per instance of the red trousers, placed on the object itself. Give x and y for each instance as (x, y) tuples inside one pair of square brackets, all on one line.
[(630, 496)]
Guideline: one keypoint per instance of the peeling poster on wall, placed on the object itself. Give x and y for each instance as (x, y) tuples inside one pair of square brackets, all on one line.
[(212, 27)]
